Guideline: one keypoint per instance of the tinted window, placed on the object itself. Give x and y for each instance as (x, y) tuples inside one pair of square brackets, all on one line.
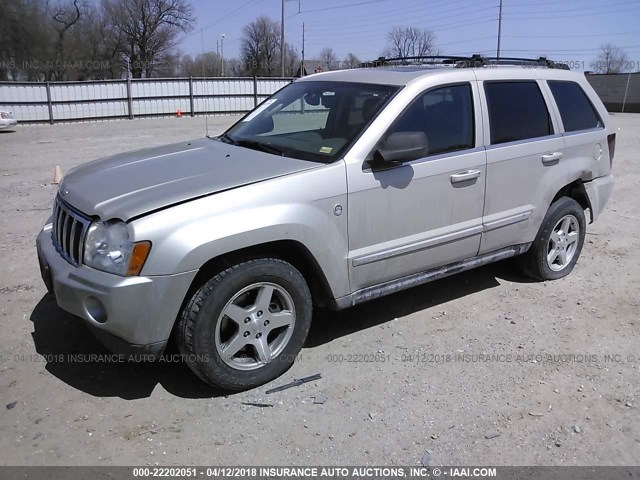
[(517, 111), (576, 110), (445, 115)]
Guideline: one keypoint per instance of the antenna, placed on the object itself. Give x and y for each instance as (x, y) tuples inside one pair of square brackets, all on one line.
[(302, 63), (206, 98), (499, 31)]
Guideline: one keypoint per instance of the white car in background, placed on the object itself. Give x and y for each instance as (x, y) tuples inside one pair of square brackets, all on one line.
[(7, 120)]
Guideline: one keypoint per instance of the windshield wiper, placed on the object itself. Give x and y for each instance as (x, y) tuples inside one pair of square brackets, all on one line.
[(255, 145), (227, 139)]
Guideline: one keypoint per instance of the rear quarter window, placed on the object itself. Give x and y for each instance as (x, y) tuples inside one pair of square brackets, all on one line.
[(576, 110), (517, 111)]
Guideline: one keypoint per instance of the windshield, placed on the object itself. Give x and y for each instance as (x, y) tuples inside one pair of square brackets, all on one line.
[(311, 120)]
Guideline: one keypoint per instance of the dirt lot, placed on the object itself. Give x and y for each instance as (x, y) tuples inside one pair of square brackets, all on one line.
[(548, 396)]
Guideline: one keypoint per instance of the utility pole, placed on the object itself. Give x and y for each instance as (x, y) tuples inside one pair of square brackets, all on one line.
[(282, 41), (282, 36), (499, 31), (302, 64), (222, 53)]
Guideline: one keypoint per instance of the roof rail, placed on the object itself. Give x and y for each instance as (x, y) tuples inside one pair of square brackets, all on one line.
[(474, 61)]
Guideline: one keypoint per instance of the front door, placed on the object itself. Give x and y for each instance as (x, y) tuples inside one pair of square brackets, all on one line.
[(426, 212)]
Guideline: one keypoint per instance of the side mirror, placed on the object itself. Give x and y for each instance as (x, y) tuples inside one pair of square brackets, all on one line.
[(400, 147)]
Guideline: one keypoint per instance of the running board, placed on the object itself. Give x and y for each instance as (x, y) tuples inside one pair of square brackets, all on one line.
[(427, 276)]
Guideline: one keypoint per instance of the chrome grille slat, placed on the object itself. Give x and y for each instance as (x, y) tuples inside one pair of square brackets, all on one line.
[(59, 226), (65, 233), (68, 232), (72, 240), (77, 249)]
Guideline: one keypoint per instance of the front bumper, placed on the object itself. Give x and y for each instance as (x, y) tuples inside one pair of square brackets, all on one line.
[(127, 314), (8, 122)]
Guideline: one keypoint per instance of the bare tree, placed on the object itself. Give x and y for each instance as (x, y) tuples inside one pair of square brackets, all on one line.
[(410, 42), (207, 64), (149, 29), (66, 17), (328, 58), (610, 60), (292, 60), (104, 44), (351, 61), (26, 39), (260, 46)]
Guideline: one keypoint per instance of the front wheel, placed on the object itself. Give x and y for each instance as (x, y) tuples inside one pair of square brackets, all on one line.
[(246, 325), (556, 248)]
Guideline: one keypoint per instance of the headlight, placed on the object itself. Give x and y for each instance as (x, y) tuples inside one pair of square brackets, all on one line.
[(108, 247)]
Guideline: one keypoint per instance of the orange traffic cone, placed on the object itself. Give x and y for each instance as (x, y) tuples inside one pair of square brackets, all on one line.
[(178, 113), (57, 175)]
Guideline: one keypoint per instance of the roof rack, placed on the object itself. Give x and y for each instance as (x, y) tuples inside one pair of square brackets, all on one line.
[(474, 61)]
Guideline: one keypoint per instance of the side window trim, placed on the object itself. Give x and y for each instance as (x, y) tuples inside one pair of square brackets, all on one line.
[(552, 107), (476, 118), (583, 131)]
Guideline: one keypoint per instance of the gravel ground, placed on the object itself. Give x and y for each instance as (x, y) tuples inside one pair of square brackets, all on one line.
[(546, 395)]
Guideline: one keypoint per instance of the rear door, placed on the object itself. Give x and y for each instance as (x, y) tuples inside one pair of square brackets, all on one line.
[(427, 212), (524, 147)]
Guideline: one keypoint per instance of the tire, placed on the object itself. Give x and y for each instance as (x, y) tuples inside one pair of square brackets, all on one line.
[(246, 325), (551, 259)]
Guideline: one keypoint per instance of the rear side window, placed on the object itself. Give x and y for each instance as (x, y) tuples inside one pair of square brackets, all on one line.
[(445, 115), (517, 111), (576, 110)]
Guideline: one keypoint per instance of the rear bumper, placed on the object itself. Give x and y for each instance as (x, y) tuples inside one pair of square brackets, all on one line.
[(127, 314), (599, 192)]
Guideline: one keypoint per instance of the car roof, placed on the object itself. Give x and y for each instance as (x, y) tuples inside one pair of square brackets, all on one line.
[(401, 76)]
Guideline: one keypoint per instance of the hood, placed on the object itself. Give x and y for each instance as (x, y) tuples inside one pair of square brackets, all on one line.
[(131, 184)]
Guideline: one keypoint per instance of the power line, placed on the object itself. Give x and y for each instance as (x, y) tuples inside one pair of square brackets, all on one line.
[(511, 5), (343, 6), (525, 16), (434, 27), (227, 16), (569, 50), (433, 19), (576, 9), (588, 35), (405, 15)]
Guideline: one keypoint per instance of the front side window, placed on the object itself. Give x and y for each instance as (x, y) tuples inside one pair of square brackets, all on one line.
[(445, 115), (576, 110), (517, 111), (313, 120)]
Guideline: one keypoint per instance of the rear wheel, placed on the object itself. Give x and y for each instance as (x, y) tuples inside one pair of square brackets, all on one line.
[(245, 326), (559, 242)]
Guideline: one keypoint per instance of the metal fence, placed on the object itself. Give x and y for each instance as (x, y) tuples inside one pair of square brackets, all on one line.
[(51, 102), (620, 92)]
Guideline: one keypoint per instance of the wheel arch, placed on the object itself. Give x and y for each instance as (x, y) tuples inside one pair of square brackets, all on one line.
[(290, 251), (577, 192)]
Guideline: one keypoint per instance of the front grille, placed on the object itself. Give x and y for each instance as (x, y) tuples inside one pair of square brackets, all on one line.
[(68, 232)]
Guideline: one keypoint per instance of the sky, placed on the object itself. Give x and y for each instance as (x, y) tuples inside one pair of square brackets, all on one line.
[(570, 31)]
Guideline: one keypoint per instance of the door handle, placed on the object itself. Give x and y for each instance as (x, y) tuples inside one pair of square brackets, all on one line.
[(465, 176), (551, 158)]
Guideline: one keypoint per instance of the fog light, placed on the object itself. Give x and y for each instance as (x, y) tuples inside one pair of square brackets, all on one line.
[(95, 309)]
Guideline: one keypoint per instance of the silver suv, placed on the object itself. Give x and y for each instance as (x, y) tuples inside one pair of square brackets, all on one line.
[(340, 188)]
